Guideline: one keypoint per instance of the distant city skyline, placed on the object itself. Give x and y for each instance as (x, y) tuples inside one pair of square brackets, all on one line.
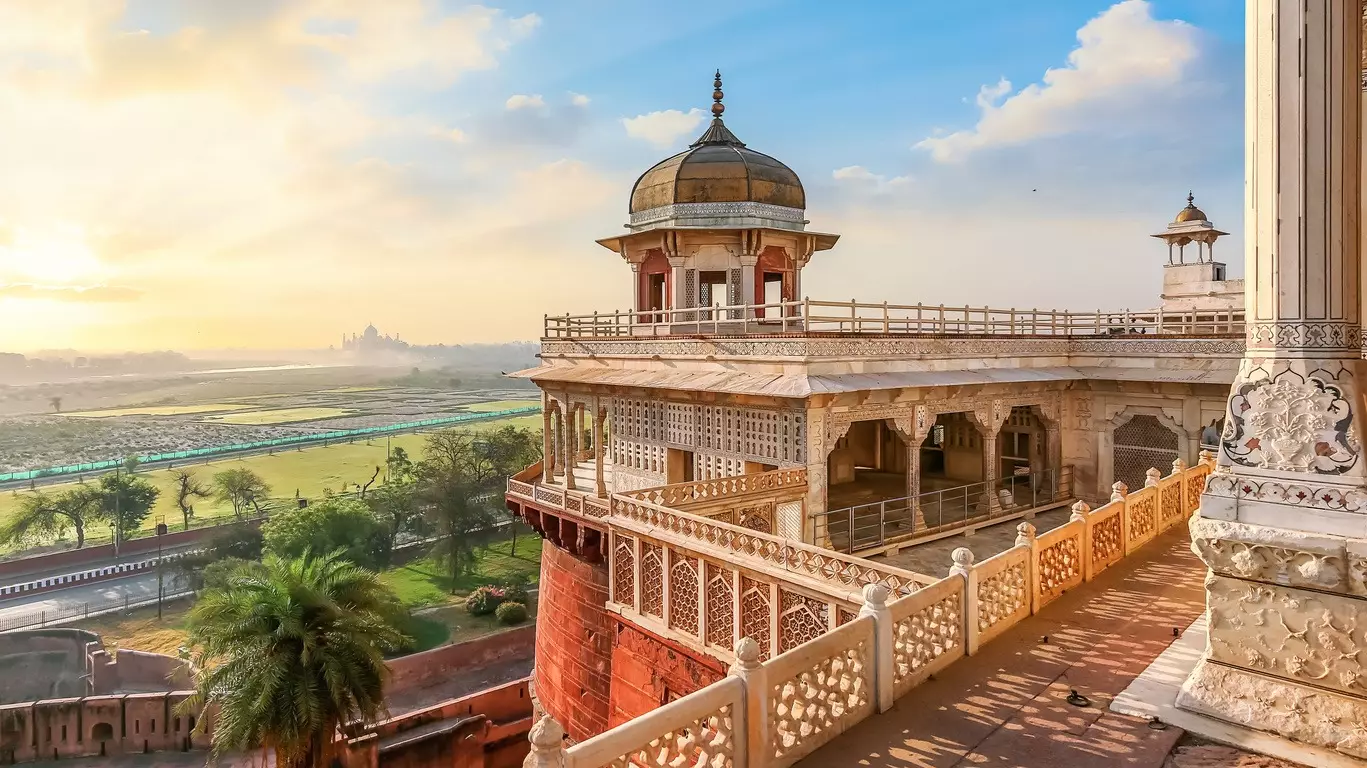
[(196, 175)]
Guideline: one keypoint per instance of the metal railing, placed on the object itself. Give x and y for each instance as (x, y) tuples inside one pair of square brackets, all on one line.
[(79, 612), (815, 317), (876, 524)]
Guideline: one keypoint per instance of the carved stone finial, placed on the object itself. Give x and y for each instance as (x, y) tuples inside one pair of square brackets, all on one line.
[(1025, 533), (875, 595), (548, 744), (1119, 491), (1080, 510), (1178, 466), (747, 652), (1152, 477), (1208, 457), (963, 561)]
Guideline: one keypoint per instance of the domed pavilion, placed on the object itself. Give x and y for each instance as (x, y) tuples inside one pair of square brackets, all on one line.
[(716, 225)]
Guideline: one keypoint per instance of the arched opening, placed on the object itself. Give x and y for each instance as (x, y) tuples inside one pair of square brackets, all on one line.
[(1139, 444)]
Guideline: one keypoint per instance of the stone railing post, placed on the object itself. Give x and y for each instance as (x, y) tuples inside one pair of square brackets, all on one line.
[(1079, 515), (752, 753), (1178, 467), (1152, 477), (1208, 458), (876, 605), (1119, 491), (1025, 537), (548, 745), (963, 566)]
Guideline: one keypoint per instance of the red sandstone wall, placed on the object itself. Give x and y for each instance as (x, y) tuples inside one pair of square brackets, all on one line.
[(79, 558), (648, 671), (573, 642), (419, 669)]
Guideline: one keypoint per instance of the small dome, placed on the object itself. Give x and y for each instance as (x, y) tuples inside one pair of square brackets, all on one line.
[(1190, 213), (718, 168)]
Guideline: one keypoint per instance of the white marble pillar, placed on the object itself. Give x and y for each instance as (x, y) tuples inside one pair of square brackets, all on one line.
[(989, 419), (677, 287), (567, 446), (599, 450), (547, 442), (1283, 520), (747, 281)]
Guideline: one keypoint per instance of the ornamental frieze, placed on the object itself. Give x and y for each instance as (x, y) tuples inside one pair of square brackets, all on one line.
[(914, 420), (1303, 335)]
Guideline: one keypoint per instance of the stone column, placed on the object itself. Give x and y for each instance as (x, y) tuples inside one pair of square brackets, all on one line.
[(598, 451), (678, 296), (636, 293), (914, 432), (990, 419), (747, 280), (557, 457), (818, 443), (1285, 591), (547, 442), (567, 446)]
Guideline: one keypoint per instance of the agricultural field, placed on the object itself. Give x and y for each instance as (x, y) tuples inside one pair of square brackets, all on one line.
[(90, 435), (281, 415), (305, 471)]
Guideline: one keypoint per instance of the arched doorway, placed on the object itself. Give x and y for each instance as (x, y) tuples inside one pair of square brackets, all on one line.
[(1139, 444)]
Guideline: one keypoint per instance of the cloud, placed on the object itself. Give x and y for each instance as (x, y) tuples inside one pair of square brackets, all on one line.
[(579, 99), (523, 26), (87, 294), (523, 101), (663, 128), (858, 175), (1124, 57)]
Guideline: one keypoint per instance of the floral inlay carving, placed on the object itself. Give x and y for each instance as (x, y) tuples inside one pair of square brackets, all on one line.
[(1143, 516), (1291, 423)]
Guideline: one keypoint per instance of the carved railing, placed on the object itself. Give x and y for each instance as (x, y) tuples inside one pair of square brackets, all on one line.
[(774, 713), (679, 495), (813, 316)]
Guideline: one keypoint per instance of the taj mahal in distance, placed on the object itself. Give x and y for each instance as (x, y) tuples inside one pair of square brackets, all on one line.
[(738, 476)]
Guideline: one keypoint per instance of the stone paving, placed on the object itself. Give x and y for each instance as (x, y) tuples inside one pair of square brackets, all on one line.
[(932, 558), (1006, 704)]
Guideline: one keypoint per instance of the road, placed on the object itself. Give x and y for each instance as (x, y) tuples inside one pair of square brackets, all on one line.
[(98, 562), (73, 601)]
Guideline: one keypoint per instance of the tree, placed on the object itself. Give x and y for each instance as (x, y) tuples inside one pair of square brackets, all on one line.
[(344, 525), (130, 464), (47, 515), (289, 651), (397, 502), (125, 501), (398, 465), (459, 480), (241, 488), (188, 488), (56, 403)]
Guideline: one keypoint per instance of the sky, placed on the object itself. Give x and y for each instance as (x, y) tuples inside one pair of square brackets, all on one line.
[(193, 174)]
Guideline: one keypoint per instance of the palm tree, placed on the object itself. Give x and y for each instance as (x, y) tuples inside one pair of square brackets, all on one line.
[(291, 650)]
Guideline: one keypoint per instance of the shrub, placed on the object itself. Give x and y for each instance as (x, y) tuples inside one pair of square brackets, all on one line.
[(484, 601), (511, 613), (516, 592)]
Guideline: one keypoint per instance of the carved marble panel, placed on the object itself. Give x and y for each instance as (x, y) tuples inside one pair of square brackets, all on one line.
[(1316, 638), (1291, 422)]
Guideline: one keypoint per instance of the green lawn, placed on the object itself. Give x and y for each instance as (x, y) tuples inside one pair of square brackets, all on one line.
[(424, 583), (306, 470)]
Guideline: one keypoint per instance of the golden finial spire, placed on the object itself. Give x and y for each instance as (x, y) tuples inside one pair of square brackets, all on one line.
[(717, 107)]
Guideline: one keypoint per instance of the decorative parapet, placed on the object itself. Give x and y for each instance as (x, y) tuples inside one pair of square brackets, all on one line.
[(802, 698)]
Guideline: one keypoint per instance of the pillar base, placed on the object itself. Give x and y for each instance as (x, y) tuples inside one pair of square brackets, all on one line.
[(1308, 715)]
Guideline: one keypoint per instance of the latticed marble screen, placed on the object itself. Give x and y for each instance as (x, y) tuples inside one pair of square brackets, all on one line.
[(721, 608), (652, 580), (735, 289), (624, 570), (801, 619), (683, 593), (1139, 444), (755, 612), (722, 437)]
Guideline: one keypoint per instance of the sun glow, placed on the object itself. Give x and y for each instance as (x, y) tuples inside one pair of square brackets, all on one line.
[(50, 258)]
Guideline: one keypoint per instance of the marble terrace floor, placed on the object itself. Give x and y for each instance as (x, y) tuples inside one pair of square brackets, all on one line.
[(1005, 706)]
